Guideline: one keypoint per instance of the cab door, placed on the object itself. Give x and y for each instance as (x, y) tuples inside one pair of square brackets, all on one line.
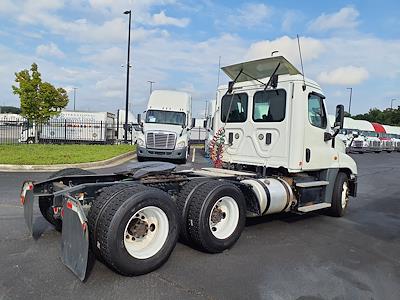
[(318, 153)]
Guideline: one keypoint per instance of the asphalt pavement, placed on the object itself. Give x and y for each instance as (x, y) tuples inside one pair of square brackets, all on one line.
[(286, 256)]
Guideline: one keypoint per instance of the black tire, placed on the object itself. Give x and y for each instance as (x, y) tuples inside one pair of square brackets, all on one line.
[(337, 210), (103, 198), (140, 158), (182, 161), (114, 218), (45, 204), (199, 213), (377, 151), (182, 204)]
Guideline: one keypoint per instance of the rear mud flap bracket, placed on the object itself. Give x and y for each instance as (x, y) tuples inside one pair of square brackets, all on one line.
[(75, 238)]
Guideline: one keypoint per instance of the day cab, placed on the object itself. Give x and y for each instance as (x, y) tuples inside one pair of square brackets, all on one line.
[(166, 127)]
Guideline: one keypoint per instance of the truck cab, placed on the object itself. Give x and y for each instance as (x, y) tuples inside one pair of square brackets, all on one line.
[(166, 126), (284, 127)]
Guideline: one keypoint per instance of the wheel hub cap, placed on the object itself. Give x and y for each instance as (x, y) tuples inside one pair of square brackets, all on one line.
[(217, 215), (139, 228)]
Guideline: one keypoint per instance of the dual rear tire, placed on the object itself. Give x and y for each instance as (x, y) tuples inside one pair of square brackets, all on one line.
[(133, 228), (212, 214)]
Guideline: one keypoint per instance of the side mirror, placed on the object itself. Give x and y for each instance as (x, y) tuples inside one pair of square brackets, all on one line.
[(355, 134), (339, 117), (205, 124), (193, 122), (139, 118)]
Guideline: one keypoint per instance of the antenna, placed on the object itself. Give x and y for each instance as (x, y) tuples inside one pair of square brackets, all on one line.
[(301, 61), (219, 71), (273, 52)]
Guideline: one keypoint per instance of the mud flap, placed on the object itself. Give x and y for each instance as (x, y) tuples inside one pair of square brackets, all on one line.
[(28, 200), (75, 238)]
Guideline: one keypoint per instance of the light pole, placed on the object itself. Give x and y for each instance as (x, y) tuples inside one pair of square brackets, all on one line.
[(151, 85), (74, 96), (351, 94), (391, 103), (128, 12)]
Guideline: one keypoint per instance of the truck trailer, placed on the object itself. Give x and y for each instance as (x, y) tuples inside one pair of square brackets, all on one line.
[(72, 126), (276, 152)]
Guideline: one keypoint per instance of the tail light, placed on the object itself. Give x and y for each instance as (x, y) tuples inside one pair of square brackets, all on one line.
[(27, 186)]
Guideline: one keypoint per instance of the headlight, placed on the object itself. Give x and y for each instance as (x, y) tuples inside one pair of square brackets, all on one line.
[(181, 145), (140, 142)]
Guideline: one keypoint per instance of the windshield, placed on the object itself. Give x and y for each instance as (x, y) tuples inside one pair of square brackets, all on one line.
[(165, 117), (369, 133)]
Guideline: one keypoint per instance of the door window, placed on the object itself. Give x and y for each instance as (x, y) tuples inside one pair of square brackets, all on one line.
[(234, 107), (316, 111), (269, 106)]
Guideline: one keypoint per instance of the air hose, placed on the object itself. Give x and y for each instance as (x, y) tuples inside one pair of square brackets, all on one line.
[(217, 147)]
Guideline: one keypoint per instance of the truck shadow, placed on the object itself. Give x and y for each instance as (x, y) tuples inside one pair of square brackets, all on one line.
[(285, 217)]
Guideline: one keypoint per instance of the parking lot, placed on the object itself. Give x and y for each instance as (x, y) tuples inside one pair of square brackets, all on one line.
[(287, 256)]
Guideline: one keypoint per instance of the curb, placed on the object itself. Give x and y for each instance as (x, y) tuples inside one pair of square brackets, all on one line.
[(111, 162)]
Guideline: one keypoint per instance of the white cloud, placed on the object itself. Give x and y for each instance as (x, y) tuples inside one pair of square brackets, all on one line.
[(345, 18), (162, 19), (348, 75), (289, 19), (311, 48), (7, 7), (111, 87), (250, 15), (50, 49)]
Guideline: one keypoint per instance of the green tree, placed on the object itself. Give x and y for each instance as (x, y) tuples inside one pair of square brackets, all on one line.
[(386, 117), (39, 100)]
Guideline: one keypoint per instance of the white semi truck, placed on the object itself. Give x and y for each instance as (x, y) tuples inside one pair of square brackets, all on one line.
[(276, 151), (209, 126), (393, 133), (133, 127), (166, 127), (72, 126), (367, 140)]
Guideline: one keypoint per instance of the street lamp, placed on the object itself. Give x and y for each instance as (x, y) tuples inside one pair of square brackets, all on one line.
[(74, 96), (351, 94), (391, 103), (128, 12), (151, 85)]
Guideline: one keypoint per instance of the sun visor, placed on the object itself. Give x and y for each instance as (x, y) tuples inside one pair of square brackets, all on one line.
[(261, 68)]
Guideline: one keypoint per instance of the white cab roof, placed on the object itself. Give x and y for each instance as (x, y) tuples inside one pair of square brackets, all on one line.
[(363, 125), (170, 100)]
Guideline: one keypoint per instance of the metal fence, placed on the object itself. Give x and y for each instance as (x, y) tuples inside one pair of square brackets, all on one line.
[(63, 131)]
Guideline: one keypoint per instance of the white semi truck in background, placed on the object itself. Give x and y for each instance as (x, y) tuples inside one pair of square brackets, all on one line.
[(165, 130), (133, 127), (72, 126)]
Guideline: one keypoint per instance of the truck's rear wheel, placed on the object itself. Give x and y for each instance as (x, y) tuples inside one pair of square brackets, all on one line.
[(45, 204), (137, 230), (340, 197), (182, 203), (216, 216)]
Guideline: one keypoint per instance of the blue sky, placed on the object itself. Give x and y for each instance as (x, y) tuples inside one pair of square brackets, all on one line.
[(177, 44)]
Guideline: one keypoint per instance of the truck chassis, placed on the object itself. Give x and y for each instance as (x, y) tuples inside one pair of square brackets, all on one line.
[(132, 220)]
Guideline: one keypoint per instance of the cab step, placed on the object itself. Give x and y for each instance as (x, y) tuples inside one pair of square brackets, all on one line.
[(311, 184), (313, 207)]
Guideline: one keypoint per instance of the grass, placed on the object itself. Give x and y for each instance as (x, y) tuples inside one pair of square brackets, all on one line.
[(35, 154)]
